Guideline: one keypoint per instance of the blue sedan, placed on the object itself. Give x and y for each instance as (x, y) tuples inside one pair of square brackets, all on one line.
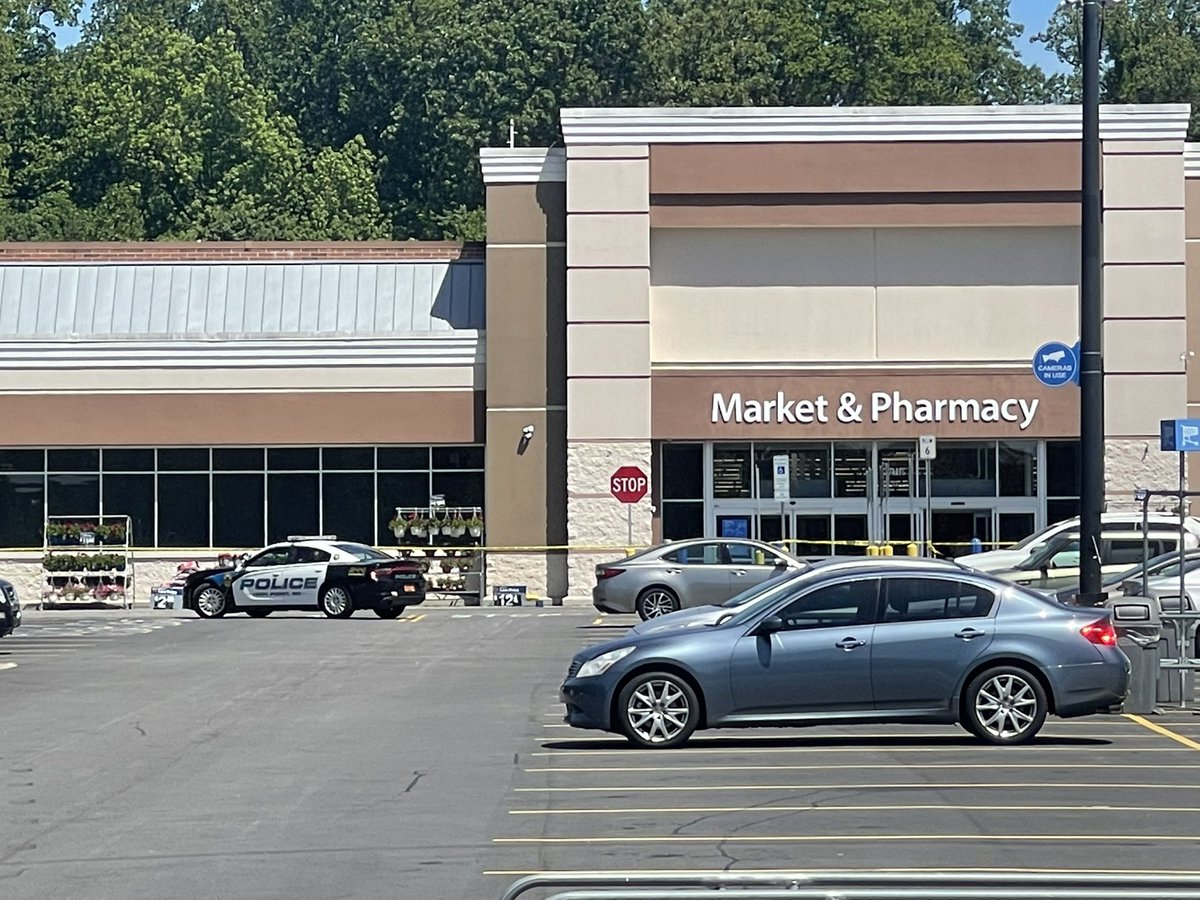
[(873, 643)]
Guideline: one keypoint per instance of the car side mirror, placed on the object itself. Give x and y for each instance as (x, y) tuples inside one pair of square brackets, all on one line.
[(769, 625)]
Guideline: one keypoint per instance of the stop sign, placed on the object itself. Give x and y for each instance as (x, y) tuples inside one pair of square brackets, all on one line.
[(629, 484)]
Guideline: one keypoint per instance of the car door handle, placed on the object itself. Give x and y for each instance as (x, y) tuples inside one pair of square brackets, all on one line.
[(849, 643), (672, 571), (967, 633), (739, 572)]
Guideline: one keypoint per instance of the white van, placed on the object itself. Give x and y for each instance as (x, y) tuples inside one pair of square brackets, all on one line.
[(1010, 557), (1056, 565)]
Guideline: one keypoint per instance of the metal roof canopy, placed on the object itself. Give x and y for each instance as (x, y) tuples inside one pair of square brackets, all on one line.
[(241, 300)]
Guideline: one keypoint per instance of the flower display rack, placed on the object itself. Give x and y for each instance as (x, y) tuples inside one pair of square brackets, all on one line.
[(87, 561), (449, 539)]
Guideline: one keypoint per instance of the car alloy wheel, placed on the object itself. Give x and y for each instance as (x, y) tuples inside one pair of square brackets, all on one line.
[(1008, 706), (659, 710), (210, 602), (656, 602), (337, 603)]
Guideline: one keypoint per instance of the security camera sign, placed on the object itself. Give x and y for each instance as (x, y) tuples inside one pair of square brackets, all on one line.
[(1056, 364), (629, 484)]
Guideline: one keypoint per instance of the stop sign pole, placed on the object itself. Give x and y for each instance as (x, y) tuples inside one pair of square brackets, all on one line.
[(629, 485)]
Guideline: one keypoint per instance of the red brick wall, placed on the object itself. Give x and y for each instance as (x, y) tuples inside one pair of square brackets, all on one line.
[(238, 251)]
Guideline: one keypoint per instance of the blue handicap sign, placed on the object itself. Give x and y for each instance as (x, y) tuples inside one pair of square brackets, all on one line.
[(1180, 435), (1056, 364)]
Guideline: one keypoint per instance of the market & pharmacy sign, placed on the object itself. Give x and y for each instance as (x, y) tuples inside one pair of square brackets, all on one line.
[(849, 408)]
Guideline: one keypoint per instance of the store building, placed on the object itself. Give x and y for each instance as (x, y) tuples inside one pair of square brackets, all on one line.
[(695, 292)]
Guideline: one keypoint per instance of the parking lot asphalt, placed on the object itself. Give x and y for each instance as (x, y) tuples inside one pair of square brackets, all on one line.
[(150, 753)]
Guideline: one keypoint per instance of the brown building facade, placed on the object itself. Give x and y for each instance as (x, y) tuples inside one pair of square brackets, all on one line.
[(704, 294)]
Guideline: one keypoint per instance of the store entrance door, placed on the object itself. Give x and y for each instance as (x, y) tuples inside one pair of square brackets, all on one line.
[(952, 530)]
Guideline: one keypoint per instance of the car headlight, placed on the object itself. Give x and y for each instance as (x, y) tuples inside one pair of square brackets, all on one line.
[(603, 662)]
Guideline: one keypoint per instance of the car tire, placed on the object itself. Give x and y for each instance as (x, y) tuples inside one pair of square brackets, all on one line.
[(656, 601), (1005, 705), (210, 602), (258, 613), (337, 602), (658, 710), (393, 613)]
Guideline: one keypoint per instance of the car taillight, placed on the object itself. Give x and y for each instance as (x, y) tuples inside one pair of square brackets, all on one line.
[(1101, 632), (607, 572)]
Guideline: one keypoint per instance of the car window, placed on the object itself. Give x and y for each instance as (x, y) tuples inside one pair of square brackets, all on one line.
[(272, 556), (361, 552), (928, 599), (837, 605), (769, 586), (310, 555), (695, 554), (1066, 557), (749, 555)]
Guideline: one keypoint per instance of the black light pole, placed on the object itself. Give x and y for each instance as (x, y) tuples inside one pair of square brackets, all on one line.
[(1091, 319)]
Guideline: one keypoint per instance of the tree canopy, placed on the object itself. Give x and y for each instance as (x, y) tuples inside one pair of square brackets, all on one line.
[(329, 119)]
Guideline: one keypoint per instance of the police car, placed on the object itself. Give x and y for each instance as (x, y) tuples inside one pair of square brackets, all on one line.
[(336, 577)]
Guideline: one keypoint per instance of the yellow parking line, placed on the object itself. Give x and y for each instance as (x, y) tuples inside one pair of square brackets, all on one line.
[(566, 770), (418, 618), (812, 808), (1165, 732), (598, 620), (844, 838), (922, 785), (8, 665)]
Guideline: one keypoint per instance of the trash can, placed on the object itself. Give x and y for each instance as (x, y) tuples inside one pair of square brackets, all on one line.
[(1139, 632), (1175, 688)]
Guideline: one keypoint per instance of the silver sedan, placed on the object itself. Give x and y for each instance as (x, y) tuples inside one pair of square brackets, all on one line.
[(698, 572)]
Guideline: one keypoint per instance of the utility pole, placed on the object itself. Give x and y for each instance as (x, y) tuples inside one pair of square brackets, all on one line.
[(1091, 316)]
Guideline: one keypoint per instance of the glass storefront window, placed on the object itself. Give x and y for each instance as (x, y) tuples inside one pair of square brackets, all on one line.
[(239, 504), (347, 505), (850, 528), (22, 497), (808, 469), (897, 462), (125, 459), (72, 495), (682, 471), (132, 495), (1018, 469), (22, 461), (183, 507), (293, 505), (72, 460), (293, 459), (1057, 510), (965, 469), (397, 489), (1062, 469), (731, 470), (238, 459), (185, 459), (851, 469), (682, 520)]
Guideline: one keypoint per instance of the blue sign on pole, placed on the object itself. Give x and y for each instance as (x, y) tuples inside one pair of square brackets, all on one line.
[(1056, 364), (1180, 435)]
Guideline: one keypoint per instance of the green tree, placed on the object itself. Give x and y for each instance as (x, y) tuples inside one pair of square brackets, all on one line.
[(1150, 53), (989, 35)]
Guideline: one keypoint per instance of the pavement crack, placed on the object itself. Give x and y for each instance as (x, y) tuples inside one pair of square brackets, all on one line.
[(140, 729), (417, 776)]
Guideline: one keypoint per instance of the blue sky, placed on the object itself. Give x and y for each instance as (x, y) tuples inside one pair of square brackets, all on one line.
[(1033, 14)]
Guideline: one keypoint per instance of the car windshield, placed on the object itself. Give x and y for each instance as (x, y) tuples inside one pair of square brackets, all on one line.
[(757, 590), (779, 587), (1044, 557), (1029, 541), (361, 552)]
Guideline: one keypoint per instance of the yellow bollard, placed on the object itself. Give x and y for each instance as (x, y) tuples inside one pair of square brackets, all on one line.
[(872, 550), (912, 549), (629, 551), (887, 549)]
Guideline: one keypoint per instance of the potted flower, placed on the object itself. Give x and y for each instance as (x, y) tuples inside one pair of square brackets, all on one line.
[(475, 526), (397, 527), (418, 526), (56, 534), (457, 526)]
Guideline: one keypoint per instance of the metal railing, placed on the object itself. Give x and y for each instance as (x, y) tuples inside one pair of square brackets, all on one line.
[(843, 885)]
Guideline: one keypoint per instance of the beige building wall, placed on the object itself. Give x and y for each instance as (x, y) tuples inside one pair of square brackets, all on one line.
[(608, 350), (1191, 287), (752, 296), (1145, 309)]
